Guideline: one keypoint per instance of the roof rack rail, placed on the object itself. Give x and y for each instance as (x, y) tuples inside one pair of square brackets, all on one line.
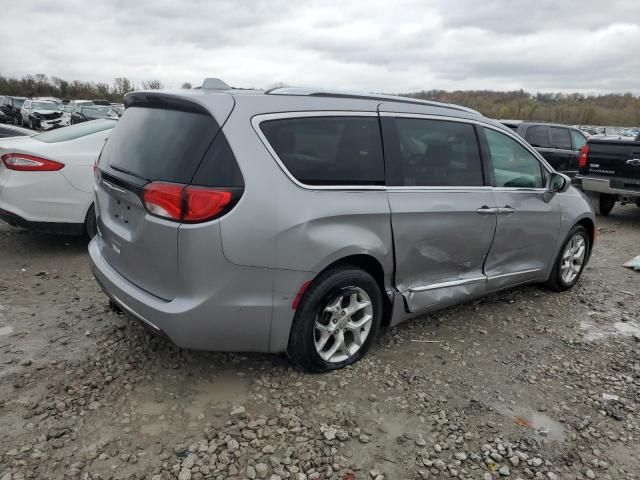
[(311, 92)]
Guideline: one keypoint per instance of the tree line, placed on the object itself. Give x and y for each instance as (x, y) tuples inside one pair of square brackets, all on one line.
[(573, 108), (41, 85), (568, 108)]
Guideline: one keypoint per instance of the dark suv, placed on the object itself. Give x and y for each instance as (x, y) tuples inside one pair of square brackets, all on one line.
[(10, 107), (559, 144)]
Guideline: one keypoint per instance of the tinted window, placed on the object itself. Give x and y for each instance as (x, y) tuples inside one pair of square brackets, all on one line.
[(219, 167), (513, 165), (560, 138), (438, 153), (578, 139), (75, 131), (538, 136), (328, 150), (158, 144)]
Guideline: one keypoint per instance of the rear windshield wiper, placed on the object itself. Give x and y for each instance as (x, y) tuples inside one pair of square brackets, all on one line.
[(129, 172)]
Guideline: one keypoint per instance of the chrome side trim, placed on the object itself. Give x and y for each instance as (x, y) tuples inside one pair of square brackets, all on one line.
[(522, 272), (454, 283)]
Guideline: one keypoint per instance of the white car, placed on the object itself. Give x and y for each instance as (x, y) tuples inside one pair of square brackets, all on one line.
[(8, 131), (41, 115), (46, 181)]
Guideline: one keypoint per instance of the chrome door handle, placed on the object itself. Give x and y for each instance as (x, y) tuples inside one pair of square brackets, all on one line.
[(484, 210), (634, 162), (506, 210)]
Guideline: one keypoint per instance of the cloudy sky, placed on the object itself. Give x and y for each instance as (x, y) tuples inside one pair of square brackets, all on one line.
[(374, 45)]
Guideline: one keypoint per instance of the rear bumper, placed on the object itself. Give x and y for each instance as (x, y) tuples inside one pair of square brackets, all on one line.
[(232, 314), (606, 185), (44, 227)]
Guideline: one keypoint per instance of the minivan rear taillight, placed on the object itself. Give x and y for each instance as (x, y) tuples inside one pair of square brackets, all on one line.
[(582, 160), (29, 163), (185, 203)]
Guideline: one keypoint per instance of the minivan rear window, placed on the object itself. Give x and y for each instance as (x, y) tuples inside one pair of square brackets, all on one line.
[(339, 150), (159, 144)]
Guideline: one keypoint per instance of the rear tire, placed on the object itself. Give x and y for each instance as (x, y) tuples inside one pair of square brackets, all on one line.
[(341, 312), (559, 281), (602, 203), (90, 224)]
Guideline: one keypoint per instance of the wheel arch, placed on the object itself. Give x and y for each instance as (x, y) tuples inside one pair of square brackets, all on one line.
[(590, 225), (374, 267)]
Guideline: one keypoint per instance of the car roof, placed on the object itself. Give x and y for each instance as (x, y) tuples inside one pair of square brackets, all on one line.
[(547, 124), (291, 99)]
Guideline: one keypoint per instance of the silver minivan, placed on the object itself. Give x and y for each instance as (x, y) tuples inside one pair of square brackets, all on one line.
[(303, 221)]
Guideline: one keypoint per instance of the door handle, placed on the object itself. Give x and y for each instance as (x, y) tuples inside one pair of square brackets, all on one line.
[(506, 210), (634, 162), (484, 210)]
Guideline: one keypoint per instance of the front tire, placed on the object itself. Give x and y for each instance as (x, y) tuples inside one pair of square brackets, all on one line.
[(571, 260), (337, 320)]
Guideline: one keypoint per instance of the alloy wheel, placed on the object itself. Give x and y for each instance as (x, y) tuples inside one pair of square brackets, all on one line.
[(573, 258), (342, 327)]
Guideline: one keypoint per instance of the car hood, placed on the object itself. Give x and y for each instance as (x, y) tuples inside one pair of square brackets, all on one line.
[(45, 112)]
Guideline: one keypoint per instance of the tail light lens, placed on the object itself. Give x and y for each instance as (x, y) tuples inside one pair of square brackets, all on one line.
[(185, 203), (584, 152), (29, 163)]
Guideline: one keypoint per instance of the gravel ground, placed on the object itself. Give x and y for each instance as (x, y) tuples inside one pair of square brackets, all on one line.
[(522, 384)]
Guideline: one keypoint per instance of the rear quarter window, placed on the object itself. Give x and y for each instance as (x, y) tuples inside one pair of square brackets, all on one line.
[(341, 150), (538, 136)]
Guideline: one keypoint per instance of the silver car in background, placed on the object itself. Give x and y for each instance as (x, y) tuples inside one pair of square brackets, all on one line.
[(303, 221)]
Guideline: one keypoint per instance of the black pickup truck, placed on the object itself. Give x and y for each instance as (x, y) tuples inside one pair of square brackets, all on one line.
[(609, 172)]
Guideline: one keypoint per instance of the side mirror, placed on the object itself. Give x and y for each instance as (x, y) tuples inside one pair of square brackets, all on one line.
[(558, 183)]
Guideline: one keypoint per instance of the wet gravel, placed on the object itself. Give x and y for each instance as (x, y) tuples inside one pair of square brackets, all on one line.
[(522, 384)]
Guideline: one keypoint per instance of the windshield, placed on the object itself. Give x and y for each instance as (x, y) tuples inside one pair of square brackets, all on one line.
[(45, 106), (97, 111), (18, 101), (75, 131)]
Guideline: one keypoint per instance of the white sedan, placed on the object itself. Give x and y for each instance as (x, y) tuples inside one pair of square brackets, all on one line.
[(46, 180)]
